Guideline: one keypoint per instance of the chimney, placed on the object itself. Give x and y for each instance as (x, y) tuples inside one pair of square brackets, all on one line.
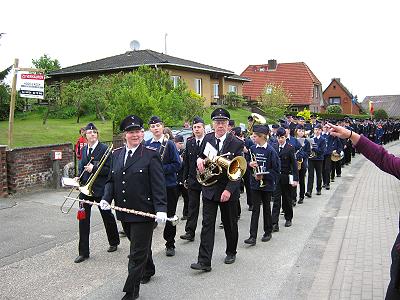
[(271, 64), (337, 79)]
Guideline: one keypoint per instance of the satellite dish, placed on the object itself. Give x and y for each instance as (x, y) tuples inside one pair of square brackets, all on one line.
[(135, 45)]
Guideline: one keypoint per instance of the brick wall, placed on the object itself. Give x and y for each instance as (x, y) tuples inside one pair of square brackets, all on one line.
[(32, 166), (3, 172)]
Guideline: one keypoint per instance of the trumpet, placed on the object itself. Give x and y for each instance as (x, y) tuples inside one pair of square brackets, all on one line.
[(257, 170), (86, 189)]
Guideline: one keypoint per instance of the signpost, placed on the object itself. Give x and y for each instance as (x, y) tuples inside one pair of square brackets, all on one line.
[(33, 87)]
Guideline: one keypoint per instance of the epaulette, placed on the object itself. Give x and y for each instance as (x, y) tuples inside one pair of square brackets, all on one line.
[(190, 138), (210, 133), (290, 145), (151, 148), (116, 149)]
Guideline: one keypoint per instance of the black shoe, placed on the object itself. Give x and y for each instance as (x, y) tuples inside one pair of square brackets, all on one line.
[(230, 259), (294, 203), (301, 200), (339, 175), (323, 186), (332, 179), (250, 207), (145, 279), (275, 227), (327, 187), (288, 223), (112, 248), (251, 241), (308, 195), (318, 192), (187, 236), (200, 267), (130, 296), (170, 251), (221, 225), (266, 237), (80, 259), (184, 218)]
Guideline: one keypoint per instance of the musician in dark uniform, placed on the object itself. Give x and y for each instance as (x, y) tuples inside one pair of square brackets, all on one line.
[(137, 182), (192, 151), (171, 165), (88, 165), (315, 162), (302, 158), (265, 159), (284, 189), (223, 193)]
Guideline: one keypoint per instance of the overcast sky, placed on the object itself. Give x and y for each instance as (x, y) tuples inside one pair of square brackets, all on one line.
[(357, 41)]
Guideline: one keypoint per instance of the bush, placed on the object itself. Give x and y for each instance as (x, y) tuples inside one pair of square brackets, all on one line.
[(380, 114), (64, 113), (233, 100), (340, 116), (334, 109)]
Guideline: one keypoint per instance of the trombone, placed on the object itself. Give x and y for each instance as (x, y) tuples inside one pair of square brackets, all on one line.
[(86, 189)]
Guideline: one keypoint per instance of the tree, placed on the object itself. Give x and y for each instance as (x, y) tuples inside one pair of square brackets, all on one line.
[(46, 63), (380, 114), (305, 113), (274, 101), (334, 109), (233, 100)]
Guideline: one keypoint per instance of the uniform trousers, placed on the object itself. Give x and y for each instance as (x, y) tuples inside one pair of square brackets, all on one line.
[(336, 168), (302, 181), (140, 257), (282, 197), (170, 230), (193, 215), (229, 219), (314, 165), (246, 179), (258, 198), (326, 170), (84, 226)]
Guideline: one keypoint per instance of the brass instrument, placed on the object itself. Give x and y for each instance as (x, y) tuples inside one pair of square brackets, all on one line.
[(312, 145), (335, 156), (213, 168), (257, 119), (87, 189), (258, 170), (174, 220), (62, 208)]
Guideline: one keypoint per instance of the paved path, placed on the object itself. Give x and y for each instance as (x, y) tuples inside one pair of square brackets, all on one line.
[(338, 247)]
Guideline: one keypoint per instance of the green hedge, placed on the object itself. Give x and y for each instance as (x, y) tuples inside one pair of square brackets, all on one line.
[(341, 116)]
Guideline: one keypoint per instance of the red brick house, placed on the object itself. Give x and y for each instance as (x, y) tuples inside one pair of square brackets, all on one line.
[(337, 93), (297, 79)]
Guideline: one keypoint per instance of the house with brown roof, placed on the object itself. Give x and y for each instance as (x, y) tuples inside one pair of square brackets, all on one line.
[(337, 94), (297, 79), (389, 103), (210, 82)]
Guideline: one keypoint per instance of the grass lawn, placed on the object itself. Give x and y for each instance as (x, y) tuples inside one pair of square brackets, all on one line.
[(29, 131)]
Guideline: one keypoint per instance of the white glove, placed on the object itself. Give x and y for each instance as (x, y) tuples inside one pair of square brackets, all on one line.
[(104, 205), (161, 217)]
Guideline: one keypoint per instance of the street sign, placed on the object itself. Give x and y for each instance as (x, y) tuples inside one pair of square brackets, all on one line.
[(31, 85)]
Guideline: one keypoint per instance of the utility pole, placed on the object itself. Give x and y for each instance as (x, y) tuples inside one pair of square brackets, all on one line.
[(165, 43), (12, 105)]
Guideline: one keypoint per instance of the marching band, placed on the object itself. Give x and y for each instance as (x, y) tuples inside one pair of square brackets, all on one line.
[(271, 162)]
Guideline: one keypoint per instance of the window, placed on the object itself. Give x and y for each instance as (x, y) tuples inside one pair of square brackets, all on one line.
[(334, 100), (295, 109), (232, 88), (216, 90), (268, 90), (315, 92), (175, 80), (197, 86)]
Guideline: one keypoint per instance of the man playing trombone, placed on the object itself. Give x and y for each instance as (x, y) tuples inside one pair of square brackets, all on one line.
[(92, 154), (137, 182)]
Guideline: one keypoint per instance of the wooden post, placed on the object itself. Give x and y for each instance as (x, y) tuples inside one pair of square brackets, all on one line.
[(12, 105)]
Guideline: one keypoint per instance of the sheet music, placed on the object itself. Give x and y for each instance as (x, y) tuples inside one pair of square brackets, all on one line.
[(69, 182), (210, 151)]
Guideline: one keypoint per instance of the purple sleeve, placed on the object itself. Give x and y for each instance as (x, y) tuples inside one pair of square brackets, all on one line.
[(379, 156)]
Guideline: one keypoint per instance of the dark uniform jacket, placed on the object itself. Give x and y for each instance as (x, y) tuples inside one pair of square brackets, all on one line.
[(303, 153), (190, 164), (171, 161), (268, 158), (233, 145), (139, 185), (99, 183), (319, 148), (332, 143), (288, 164)]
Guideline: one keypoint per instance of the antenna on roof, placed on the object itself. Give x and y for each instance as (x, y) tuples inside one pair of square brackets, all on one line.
[(135, 45)]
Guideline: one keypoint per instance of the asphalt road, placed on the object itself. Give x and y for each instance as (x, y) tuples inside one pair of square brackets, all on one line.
[(38, 245)]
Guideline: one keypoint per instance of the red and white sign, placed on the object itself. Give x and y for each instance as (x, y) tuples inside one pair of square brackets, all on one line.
[(31, 85)]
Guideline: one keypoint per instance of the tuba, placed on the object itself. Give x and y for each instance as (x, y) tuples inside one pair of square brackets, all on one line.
[(257, 119), (235, 169), (335, 156)]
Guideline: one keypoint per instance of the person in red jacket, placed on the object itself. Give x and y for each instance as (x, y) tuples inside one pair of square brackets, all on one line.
[(82, 142), (390, 164)]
